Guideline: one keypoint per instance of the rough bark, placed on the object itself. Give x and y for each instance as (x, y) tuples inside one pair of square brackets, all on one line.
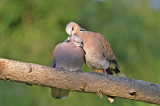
[(88, 82)]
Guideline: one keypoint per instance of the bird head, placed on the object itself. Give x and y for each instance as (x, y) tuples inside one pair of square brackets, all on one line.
[(77, 41), (72, 28)]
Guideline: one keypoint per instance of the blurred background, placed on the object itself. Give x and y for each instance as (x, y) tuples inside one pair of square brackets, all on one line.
[(30, 29)]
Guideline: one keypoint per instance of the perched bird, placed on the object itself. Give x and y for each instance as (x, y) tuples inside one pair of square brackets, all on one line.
[(98, 52), (68, 55)]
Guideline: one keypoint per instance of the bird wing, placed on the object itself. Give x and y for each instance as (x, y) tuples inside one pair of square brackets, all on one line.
[(53, 63), (106, 48), (108, 52), (109, 55)]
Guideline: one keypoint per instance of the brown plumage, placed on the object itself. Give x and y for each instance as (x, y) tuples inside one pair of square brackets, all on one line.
[(99, 54)]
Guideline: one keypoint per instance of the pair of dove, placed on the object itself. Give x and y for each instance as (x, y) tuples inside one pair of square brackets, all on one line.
[(83, 45)]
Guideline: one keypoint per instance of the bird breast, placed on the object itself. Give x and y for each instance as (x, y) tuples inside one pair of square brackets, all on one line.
[(94, 56), (69, 57)]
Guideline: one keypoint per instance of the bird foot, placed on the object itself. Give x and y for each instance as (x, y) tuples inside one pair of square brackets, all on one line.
[(92, 70), (106, 75)]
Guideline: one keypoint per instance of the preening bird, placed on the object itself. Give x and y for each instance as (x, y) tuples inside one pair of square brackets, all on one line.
[(99, 54), (68, 55)]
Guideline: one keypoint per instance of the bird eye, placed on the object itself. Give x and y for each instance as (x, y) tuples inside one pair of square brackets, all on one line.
[(72, 28)]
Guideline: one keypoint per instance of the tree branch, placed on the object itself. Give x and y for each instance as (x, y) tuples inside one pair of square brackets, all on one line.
[(35, 74)]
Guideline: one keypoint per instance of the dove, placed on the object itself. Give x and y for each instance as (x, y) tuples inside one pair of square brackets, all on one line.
[(68, 55), (98, 52)]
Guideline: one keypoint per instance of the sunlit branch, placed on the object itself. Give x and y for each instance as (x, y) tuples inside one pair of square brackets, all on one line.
[(35, 74)]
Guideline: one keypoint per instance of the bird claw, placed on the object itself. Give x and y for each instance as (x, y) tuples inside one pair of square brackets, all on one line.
[(92, 70), (107, 76)]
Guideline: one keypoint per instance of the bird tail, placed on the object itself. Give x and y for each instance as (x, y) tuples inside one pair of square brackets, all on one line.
[(59, 93), (119, 72), (114, 67), (116, 71)]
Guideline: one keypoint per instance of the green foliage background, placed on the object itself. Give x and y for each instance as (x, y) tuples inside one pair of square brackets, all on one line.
[(30, 29)]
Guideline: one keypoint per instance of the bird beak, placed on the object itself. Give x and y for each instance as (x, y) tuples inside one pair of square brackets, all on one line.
[(68, 39)]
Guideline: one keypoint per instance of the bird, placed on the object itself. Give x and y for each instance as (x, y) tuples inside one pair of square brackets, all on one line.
[(68, 55), (98, 52)]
